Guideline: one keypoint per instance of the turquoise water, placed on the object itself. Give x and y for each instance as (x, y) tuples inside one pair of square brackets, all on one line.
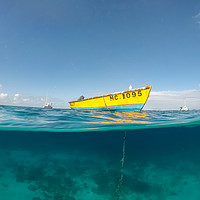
[(62, 154)]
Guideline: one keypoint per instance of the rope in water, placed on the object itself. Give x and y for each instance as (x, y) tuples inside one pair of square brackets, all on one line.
[(120, 183)]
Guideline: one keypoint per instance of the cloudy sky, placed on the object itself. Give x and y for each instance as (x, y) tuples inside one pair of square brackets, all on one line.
[(69, 48)]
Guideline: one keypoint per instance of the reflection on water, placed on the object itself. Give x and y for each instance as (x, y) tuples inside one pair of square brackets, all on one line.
[(125, 117), (56, 120)]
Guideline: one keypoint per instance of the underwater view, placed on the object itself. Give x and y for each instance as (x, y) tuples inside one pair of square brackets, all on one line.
[(61, 154)]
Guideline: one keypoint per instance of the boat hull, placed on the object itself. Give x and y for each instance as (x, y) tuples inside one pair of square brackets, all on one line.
[(130, 100)]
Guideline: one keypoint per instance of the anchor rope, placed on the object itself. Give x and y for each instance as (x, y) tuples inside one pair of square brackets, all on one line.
[(120, 183)]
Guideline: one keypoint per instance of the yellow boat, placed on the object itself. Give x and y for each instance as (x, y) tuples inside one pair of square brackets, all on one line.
[(129, 100)]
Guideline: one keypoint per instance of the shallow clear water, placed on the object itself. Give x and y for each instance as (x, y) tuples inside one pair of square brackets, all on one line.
[(65, 155), (63, 120)]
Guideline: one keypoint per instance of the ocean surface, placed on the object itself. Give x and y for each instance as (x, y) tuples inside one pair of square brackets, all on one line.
[(61, 154)]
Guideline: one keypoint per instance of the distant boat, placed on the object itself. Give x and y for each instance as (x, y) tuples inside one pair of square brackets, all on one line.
[(185, 108), (129, 100), (47, 105)]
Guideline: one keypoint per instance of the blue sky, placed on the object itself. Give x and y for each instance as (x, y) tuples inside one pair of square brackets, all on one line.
[(69, 48)]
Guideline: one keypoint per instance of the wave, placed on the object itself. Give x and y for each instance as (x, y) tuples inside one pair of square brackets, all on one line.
[(64, 120)]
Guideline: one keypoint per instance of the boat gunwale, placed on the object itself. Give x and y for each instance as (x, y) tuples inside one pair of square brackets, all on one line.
[(96, 97)]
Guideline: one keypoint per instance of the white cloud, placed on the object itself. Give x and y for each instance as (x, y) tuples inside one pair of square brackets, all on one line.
[(3, 95), (25, 99), (197, 17), (16, 97), (30, 101), (173, 100)]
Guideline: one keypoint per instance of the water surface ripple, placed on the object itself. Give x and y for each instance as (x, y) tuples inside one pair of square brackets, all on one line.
[(65, 120)]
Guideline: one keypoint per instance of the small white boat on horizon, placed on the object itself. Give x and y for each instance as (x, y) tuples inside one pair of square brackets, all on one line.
[(47, 105), (185, 108)]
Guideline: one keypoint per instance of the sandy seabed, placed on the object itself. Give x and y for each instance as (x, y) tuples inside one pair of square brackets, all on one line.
[(34, 176)]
